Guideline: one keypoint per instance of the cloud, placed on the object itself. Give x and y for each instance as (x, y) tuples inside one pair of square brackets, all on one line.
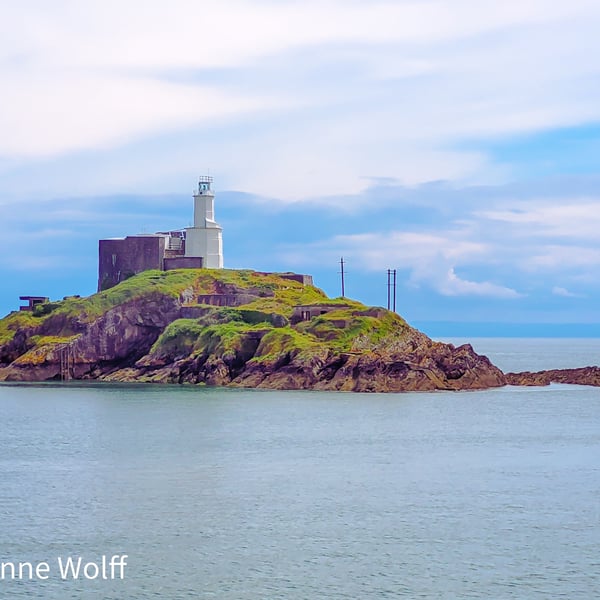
[(57, 113), (182, 32), (573, 217), (452, 261), (431, 259), (384, 131), (455, 286), (565, 293), (441, 240), (569, 257), (296, 99), (372, 250)]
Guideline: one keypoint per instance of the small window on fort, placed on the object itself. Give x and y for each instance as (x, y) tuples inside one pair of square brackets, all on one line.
[(114, 259)]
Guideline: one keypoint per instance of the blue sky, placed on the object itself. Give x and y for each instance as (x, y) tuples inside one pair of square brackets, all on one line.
[(456, 142)]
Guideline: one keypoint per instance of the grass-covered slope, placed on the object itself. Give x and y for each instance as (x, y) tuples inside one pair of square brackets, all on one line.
[(225, 327), (272, 292)]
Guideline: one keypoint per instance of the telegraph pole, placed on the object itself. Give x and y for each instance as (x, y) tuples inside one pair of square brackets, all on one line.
[(394, 290), (391, 289), (388, 289), (342, 274)]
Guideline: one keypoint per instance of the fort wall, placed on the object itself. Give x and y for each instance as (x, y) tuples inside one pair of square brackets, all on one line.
[(121, 258), (183, 262)]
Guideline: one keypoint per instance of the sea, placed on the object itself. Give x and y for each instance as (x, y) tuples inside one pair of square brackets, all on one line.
[(193, 492)]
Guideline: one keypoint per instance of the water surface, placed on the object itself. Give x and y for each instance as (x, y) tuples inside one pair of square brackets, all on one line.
[(216, 493)]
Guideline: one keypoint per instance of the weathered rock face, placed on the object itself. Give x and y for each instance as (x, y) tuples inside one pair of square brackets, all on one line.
[(581, 376), (15, 348), (117, 338), (435, 367), (430, 366)]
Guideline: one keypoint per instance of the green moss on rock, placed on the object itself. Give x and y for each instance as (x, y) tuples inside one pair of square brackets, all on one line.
[(284, 341), (14, 321), (178, 338)]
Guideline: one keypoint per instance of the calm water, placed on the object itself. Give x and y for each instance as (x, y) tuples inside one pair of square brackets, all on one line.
[(247, 495)]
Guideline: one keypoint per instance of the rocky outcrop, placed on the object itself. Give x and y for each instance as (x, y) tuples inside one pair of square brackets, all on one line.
[(113, 340), (175, 327), (448, 369), (581, 376), (271, 357), (425, 368)]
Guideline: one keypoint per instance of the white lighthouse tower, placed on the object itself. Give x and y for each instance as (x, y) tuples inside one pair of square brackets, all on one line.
[(205, 238)]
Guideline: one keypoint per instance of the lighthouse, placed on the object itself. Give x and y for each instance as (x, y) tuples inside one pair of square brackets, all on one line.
[(205, 238)]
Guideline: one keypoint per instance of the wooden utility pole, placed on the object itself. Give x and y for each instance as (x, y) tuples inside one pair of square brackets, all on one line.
[(388, 289), (391, 289), (342, 274), (394, 290)]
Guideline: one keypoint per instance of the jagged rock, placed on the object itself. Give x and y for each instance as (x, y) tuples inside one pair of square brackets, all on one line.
[(115, 339), (580, 376)]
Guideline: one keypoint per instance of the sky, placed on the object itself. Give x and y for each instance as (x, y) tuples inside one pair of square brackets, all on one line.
[(456, 142)]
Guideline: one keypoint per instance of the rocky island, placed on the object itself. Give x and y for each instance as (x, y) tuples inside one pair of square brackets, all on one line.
[(235, 328)]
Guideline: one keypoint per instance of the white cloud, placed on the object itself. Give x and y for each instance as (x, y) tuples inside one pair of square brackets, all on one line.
[(564, 292), (574, 217), (157, 33), (455, 286), (412, 80), (445, 242), (318, 171), (431, 259), (301, 100), (373, 250), (57, 113), (563, 257)]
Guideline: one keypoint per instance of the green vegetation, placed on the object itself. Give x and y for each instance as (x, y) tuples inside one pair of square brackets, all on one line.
[(280, 295), (46, 308), (15, 320), (224, 340), (287, 296), (339, 327), (351, 330), (44, 340), (185, 337), (170, 283), (178, 338), (259, 330), (284, 341)]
